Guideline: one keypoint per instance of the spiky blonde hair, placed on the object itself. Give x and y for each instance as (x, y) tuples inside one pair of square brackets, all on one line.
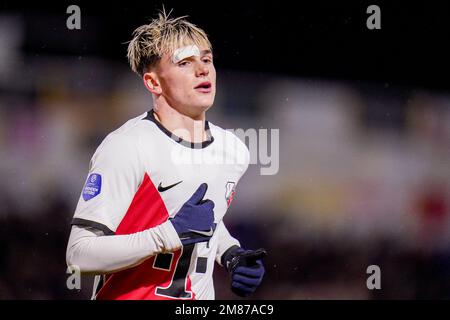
[(162, 35)]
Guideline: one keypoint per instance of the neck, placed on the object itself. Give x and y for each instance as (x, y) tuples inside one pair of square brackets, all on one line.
[(188, 128)]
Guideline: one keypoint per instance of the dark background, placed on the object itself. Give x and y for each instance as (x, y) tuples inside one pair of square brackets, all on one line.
[(308, 38)]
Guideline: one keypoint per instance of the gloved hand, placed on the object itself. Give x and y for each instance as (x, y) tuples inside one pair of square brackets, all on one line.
[(195, 220), (246, 269)]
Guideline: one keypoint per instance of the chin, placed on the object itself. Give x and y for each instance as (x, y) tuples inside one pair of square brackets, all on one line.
[(204, 105), (195, 111)]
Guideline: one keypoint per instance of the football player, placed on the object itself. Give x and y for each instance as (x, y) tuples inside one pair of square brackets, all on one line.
[(149, 221)]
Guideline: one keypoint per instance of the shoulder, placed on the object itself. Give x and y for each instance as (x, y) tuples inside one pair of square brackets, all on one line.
[(232, 141), (124, 141), (229, 134)]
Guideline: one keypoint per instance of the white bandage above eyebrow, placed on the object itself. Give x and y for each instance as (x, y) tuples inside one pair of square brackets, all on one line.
[(185, 52)]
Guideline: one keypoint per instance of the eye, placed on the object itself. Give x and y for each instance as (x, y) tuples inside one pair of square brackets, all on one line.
[(183, 63), (207, 60)]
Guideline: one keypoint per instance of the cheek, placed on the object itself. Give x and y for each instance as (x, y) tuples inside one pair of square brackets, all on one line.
[(174, 86), (212, 76)]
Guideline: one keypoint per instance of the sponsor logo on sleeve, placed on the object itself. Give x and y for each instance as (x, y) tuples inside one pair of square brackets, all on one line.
[(92, 187)]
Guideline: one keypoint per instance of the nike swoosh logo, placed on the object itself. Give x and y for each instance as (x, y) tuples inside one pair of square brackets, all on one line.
[(162, 189), (203, 233)]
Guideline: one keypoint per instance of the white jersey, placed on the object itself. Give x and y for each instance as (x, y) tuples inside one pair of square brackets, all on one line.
[(139, 177)]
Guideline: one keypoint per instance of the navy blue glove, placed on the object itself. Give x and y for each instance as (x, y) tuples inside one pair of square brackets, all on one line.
[(246, 269), (195, 220)]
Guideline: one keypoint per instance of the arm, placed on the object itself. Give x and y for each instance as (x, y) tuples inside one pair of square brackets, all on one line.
[(226, 241), (244, 266), (94, 252)]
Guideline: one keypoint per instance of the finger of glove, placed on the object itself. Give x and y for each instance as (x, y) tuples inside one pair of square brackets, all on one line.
[(253, 256), (198, 194), (204, 220), (254, 282), (246, 263), (249, 272), (208, 205), (240, 292), (243, 287)]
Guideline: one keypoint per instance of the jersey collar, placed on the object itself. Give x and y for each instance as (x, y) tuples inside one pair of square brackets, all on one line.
[(198, 145)]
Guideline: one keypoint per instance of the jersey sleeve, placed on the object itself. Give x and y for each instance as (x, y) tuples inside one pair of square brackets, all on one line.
[(225, 241), (115, 173), (105, 254)]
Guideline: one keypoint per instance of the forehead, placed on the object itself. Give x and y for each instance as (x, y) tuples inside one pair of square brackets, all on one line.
[(176, 44), (187, 51)]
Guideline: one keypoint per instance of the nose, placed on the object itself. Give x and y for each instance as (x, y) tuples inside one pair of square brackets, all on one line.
[(201, 70)]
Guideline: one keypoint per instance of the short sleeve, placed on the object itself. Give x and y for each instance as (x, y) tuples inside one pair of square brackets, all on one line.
[(115, 173)]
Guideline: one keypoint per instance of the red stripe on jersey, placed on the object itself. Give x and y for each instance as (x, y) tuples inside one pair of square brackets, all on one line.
[(147, 210)]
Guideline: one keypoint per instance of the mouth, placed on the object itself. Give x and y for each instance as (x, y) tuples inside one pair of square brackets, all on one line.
[(204, 87)]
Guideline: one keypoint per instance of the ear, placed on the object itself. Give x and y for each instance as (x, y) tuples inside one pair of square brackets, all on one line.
[(151, 82)]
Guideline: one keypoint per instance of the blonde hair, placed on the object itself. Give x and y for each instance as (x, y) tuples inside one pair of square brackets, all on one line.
[(162, 35)]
